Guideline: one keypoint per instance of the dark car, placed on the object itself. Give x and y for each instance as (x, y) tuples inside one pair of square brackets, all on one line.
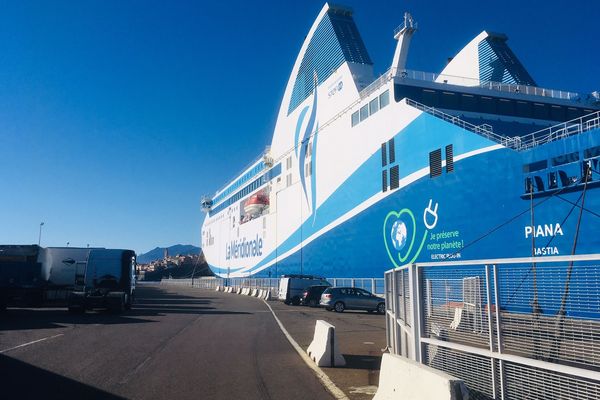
[(312, 295), (349, 298)]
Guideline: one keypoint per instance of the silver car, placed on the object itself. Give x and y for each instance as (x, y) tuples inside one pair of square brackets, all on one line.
[(349, 298)]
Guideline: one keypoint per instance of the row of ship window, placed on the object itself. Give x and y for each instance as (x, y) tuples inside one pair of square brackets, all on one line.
[(243, 179), (370, 108)]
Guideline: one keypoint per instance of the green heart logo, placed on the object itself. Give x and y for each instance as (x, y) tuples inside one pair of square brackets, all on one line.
[(399, 239)]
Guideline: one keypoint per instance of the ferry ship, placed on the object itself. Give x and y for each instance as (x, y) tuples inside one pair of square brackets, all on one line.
[(368, 173)]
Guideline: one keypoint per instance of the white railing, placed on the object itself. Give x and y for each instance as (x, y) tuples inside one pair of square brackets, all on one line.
[(561, 131), (543, 136), (374, 285), (495, 86), (510, 328), (483, 130)]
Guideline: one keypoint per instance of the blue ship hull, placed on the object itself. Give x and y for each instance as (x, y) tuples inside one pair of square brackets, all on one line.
[(483, 209)]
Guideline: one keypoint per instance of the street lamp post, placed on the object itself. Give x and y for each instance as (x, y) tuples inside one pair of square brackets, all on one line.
[(40, 235)]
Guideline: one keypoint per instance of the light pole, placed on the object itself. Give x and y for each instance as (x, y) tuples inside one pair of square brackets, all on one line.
[(68, 244), (40, 236)]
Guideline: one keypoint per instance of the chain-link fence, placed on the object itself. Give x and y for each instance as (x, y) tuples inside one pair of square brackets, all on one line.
[(511, 329)]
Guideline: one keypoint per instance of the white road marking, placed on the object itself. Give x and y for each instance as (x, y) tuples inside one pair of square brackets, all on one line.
[(368, 343), (325, 380), (27, 344)]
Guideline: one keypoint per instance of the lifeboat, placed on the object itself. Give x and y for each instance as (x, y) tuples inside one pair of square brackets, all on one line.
[(255, 205)]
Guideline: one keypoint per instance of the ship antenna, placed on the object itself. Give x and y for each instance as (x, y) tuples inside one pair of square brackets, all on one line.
[(403, 34)]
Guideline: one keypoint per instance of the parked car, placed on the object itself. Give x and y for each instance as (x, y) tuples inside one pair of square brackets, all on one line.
[(349, 298), (291, 287), (312, 295)]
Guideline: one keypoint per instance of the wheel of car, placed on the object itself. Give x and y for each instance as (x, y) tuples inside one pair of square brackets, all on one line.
[(339, 307), (127, 302), (381, 308), (296, 301), (312, 303)]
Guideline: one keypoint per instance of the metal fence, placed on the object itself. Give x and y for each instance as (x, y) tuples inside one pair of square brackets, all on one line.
[(374, 285), (524, 328)]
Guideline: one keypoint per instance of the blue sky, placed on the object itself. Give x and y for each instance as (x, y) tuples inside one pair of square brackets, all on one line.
[(117, 116)]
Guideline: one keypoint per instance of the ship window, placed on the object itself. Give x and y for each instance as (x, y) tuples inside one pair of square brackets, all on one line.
[(592, 152), (394, 177), (557, 113), (535, 166), (435, 163), (308, 169), (392, 150), (288, 163), (469, 102), (488, 105), (540, 111), (384, 184), (552, 180), (383, 155), (374, 106), (288, 180), (384, 99), (449, 158), (506, 107), (565, 159), (355, 118), (523, 109), (364, 112), (528, 185)]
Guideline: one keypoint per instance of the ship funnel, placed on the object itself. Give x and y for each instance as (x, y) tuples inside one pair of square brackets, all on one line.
[(403, 34)]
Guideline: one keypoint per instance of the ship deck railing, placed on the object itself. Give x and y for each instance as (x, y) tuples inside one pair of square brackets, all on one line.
[(560, 131), (537, 138), (471, 82)]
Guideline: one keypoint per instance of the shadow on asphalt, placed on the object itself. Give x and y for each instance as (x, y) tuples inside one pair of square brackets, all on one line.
[(151, 302), (362, 362), (24, 381)]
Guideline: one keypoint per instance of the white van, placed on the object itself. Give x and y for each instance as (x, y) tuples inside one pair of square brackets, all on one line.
[(291, 287)]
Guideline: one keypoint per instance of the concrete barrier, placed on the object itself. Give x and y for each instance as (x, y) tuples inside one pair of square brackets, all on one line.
[(323, 350), (401, 378), (260, 294), (267, 295), (253, 293), (238, 291), (218, 289)]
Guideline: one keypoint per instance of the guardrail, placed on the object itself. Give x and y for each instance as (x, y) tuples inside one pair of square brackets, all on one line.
[(374, 285), (510, 328)]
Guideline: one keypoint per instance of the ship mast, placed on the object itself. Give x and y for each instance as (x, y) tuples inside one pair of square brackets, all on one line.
[(403, 34)]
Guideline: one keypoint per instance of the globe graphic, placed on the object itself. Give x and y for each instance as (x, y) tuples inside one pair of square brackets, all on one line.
[(399, 235)]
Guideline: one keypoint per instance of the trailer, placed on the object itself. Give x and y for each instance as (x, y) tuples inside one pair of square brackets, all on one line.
[(80, 278)]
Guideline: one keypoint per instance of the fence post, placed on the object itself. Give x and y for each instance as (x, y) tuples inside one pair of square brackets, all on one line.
[(498, 330), (413, 279), (373, 285), (397, 342), (353, 282), (488, 298)]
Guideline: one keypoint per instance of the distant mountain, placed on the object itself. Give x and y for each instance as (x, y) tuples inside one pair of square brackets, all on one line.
[(159, 252)]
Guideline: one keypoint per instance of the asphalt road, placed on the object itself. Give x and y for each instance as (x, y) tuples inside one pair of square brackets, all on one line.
[(177, 343)]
